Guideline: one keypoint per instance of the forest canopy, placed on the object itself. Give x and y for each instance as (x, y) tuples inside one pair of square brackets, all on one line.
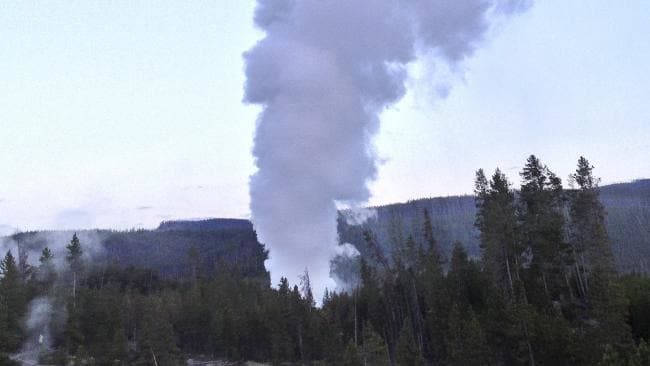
[(545, 290)]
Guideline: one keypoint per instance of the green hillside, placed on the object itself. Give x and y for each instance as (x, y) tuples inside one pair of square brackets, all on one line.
[(627, 220)]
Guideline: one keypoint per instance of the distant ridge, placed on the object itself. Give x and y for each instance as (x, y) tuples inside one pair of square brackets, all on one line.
[(219, 243), (627, 207), (216, 224), (225, 240)]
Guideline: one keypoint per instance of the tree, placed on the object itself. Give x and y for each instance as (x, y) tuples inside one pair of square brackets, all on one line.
[(430, 282), (466, 340), (46, 271), (23, 265), (587, 232), (408, 353), (637, 292), (194, 264), (351, 355), (305, 289), (76, 264), (13, 301), (542, 226), (432, 250), (374, 350), (603, 320), (46, 256), (496, 219), (5, 333), (642, 355), (504, 255), (611, 358), (155, 343)]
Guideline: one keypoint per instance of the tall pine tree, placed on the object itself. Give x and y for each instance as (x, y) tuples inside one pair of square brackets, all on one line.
[(602, 320)]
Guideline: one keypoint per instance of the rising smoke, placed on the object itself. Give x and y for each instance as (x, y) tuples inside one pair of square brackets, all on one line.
[(324, 72)]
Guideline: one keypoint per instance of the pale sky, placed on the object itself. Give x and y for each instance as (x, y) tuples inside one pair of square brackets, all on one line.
[(120, 114)]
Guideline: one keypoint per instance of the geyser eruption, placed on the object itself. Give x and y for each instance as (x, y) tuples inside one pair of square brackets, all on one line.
[(324, 72)]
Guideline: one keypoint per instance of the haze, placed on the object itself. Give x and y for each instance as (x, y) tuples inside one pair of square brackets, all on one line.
[(122, 114)]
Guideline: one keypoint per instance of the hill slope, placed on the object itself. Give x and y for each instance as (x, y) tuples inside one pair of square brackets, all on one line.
[(628, 223), (218, 243), (222, 242)]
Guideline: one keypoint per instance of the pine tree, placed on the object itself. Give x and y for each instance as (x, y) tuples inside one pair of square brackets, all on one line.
[(542, 225), (611, 358), (408, 353), (73, 333), (46, 272), (351, 355), (194, 264), (24, 268), (504, 256), (156, 344), (46, 256), (587, 230), (13, 298), (434, 294), (594, 271), (642, 355), (496, 219), (432, 249), (374, 350), (5, 333), (466, 340), (74, 259), (306, 291)]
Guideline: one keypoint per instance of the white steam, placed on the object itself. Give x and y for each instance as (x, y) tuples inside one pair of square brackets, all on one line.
[(324, 72), (37, 326), (359, 215), (345, 267), (40, 313)]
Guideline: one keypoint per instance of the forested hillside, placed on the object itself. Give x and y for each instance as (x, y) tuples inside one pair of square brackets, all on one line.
[(163, 250), (627, 219), (545, 290), (628, 223)]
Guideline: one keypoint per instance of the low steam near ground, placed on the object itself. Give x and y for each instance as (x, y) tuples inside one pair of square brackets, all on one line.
[(42, 312)]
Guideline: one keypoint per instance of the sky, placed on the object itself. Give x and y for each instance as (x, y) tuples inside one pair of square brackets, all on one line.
[(121, 114)]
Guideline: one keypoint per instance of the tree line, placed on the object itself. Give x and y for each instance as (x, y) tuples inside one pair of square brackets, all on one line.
[(545, 291)]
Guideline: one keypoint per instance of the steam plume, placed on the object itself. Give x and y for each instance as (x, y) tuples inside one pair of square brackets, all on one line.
[(324, 72), (37, 326)]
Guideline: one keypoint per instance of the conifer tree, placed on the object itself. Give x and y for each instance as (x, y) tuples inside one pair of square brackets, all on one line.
[(194, 264), (374, 350), (642, 355), (466, 340), (73, 332), (46, 272), (24, 268), (432, 249), (503, 253), (351, 355), (542, 226), (611, 358), (156, 344), (434, 293), (14, 302), (5, 334), (408, 353), (46, 256), (76, 265), (594, 271)]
